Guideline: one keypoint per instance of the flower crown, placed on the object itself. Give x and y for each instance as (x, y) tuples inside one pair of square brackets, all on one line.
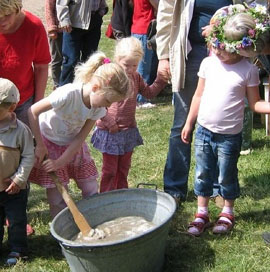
[(217, 36)]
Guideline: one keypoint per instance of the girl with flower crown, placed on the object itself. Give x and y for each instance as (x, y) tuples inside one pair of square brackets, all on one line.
[(225, 79), (117, 134)]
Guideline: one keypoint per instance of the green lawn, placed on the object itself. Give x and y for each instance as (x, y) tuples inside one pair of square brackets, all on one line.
[(241, 251)]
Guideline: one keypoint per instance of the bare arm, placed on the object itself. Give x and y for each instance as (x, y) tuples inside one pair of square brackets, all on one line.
[(40, 77), (33, 115), (255, 102), (53, 165), (193, 112)]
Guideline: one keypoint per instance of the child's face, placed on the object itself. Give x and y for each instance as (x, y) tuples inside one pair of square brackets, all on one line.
[(7, 22), (226, 57), (4, 112), (98, 99), (129, 65)]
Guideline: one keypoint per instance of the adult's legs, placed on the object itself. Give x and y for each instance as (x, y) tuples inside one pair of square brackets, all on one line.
[(56, 54), (145, 65), (178, 158), (91, 37), (71, 48)]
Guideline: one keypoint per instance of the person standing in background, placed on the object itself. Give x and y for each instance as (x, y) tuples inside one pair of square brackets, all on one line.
[(144, 12), (24, 54), (55, 39), (81, 24)]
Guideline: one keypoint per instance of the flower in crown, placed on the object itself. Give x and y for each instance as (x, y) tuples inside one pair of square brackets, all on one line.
[(249, 41)]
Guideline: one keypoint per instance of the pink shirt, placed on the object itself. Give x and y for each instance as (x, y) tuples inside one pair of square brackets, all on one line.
[(123, 113), (222, 103)]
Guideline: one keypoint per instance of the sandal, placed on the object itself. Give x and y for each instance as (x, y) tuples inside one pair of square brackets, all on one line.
[(222, 226), (14, 257), (197, 228)]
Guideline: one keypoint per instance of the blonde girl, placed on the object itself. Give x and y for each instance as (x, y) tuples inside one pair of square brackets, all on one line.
[(62, 121), (117, 134)]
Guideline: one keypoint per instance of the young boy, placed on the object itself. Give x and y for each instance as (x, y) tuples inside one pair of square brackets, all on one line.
[(16, 162)]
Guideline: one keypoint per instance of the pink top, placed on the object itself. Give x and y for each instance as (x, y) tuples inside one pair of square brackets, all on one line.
[(222, 103), (123, 113), (51, 16)]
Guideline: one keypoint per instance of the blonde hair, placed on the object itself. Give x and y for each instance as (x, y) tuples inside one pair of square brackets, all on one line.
[(128, 47), (112, 78), (9, 6), (238, 25)]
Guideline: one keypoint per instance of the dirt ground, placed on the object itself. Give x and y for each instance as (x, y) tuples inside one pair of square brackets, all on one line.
[(36, 7)]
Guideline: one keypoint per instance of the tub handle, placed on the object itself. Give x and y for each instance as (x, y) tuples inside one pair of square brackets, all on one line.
[(147, 185)]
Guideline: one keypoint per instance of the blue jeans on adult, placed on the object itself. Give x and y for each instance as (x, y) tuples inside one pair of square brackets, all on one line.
[(178, 158), (13, 207), (77, 46), (147, 67)]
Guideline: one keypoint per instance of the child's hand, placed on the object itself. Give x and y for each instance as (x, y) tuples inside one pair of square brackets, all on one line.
[(50, 165), (13, 188), (114, 129), (185, 135), (41, 153), (53, 34)]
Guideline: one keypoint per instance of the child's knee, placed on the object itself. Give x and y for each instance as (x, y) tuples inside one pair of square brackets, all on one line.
[(87, 187)]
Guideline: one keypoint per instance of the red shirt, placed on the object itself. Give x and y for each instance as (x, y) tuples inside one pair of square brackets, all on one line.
[(143, 13), (20, 50)]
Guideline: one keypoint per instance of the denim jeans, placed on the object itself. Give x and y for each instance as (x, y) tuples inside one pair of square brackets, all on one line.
[(78, 45), (148, 65), (13, 207), (22, 110), (178, 158), (216, 159)]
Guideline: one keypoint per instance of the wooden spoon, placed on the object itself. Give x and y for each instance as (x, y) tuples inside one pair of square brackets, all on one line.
[(77, 215)]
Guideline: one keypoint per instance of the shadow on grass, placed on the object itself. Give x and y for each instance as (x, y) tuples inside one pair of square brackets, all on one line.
[(185, 252), (256, 186), (257, 216)]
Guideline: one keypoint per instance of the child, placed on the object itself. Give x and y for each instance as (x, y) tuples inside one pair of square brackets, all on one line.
[(62, 121), (117, 134), (16, 162), (225, 78)]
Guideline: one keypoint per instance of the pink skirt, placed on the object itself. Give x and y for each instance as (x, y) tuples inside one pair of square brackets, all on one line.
[(80, 168)]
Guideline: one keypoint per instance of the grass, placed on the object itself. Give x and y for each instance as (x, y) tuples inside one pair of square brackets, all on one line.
[(243, 250)]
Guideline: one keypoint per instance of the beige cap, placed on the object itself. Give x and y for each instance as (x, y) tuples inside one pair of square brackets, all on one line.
[(8, 91)]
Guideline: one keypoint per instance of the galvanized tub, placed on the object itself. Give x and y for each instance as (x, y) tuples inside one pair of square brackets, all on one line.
[(143, 253)]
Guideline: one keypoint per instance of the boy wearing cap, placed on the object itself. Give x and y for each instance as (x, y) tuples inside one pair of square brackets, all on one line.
[(16, 162)]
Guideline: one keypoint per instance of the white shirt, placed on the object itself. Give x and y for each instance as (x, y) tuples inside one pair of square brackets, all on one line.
[(68, 115), (222, 103)]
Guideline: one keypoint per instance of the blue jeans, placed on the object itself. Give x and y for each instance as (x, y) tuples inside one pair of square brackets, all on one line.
[(178, 158), (13, 207), (22, 110), (216, 159), (77, 46), (148, 65)]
